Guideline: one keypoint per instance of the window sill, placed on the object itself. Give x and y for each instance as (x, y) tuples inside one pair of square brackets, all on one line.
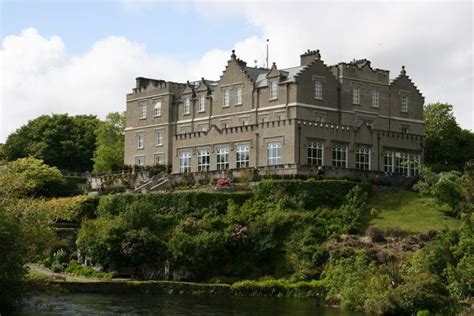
[(159, 145), (142, 118), (141, 148), (238, 104), (319, 99), (202, 111), (157, 116), (187, 113), (226, 106), (273, 99)]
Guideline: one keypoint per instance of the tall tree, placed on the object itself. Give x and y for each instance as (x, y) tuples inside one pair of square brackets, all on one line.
[(108, 155), (63, 141), (448, 146)]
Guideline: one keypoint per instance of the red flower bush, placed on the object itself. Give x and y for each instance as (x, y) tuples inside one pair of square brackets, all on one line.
[(223, 182)]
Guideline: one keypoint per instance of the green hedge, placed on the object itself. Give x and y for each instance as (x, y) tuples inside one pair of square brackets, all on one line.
[(313, 193), (176, 202), (279, 288), (71, 209)]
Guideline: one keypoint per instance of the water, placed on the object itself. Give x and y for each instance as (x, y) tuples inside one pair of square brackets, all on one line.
[(145, 304)]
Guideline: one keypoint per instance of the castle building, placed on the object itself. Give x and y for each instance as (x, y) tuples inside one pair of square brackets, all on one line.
[(348, 116)]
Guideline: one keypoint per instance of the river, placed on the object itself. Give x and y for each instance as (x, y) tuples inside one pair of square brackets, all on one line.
[(112, 304)]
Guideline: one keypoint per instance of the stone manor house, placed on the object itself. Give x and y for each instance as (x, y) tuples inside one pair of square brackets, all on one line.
[(348, 116)]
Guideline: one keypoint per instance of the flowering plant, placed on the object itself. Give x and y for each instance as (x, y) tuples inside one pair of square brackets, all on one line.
[(223, 182)]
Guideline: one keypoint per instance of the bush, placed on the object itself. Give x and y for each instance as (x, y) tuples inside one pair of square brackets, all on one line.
[(77, 269), (72, 209), (279, 288), (375, 234), (313, 193)]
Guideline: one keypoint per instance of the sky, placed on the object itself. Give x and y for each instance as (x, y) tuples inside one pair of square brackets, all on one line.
[(82, 57)]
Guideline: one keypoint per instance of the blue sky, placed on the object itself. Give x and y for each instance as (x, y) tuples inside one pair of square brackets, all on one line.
[(176, 29), (81, 57)]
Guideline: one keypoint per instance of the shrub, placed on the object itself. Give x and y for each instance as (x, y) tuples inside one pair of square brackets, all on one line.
[(72, 209), (279, 288), (75, 268), (375, 234)]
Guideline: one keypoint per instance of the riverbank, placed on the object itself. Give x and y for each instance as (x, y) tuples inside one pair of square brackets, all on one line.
[(43, 279)]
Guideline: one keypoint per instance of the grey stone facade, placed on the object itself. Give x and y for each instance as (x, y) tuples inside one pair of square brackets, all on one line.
[(346, 116)]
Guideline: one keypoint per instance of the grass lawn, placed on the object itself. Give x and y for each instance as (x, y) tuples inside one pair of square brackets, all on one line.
[(411, 212)]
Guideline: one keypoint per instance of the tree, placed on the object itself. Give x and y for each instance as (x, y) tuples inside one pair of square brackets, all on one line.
[(448, 146), (63, 141), (30, 177), (445, 187), (12, 260), (108, 155)]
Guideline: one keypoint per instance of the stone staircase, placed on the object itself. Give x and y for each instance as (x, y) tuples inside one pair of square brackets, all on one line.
[(156, 183)]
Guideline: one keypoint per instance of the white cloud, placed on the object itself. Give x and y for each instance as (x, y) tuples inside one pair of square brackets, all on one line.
[(433, 40), (39, 77)]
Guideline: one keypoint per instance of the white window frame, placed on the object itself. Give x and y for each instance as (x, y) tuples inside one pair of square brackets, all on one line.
[(160, 136), (186, 105), (315, 152), (375, 98), (388, 161), (202, 103), (185, 161), (158, 108), (139, 159), (226, 98), (238, 96), (274, 153), (356, 95), (414, 164), (223, 158), (404, 103), (339, 155), (318, 90), (158, 161), (204, 160), (273, 85), (402, 161), (140, 141), (242, 156), (142, 110), (363, 158)]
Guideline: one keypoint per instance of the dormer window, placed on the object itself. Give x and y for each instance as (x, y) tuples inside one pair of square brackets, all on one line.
[(238, 96), (356, 95), (318, 90), (186, 106), (202, 103), (375, 98), (158, 108), (142, 110), (404, 103), (273, 90), (226, 97)]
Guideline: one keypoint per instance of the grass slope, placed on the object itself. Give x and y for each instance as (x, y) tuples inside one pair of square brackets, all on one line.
[(411, 212)]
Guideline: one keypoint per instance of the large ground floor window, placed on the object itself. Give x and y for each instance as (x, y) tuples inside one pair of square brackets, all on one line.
[(185, 161), (402, 163), (273, 153), (223, 158), (242, 156), (339, 156), (315, 154), (363, 158), (204, 161)]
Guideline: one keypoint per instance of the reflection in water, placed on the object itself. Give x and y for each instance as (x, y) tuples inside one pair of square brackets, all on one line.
[(107, 304)]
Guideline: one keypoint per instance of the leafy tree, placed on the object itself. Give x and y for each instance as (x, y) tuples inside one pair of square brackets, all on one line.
[(12, 260), (3, 156), (63, 141), (109, 152), (445, 187), (448, 146), (30, 176)]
